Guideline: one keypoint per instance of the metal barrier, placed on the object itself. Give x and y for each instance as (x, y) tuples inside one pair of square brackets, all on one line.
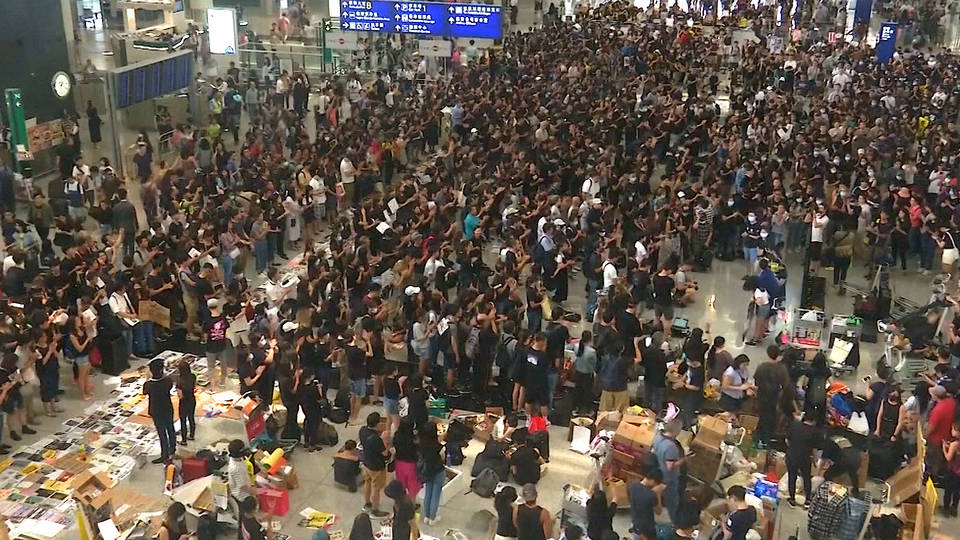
[(294, 57)]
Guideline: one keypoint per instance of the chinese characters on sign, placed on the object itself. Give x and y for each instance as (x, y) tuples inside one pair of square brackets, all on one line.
[(425, 18)]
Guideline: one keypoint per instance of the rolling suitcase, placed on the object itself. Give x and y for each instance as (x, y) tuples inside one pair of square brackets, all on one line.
[(193, 468), (115, 359)]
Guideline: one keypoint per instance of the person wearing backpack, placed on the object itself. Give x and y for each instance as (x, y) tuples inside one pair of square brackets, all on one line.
[(503, 358), (485, 483)]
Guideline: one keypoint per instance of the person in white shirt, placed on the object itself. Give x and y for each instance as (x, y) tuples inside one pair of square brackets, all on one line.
[(138, 334), (817, 227), (348, 175), (239, 484), (609, 269), (589, 189)]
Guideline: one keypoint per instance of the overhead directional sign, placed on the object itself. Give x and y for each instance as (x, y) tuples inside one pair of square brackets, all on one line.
[(423, 18)]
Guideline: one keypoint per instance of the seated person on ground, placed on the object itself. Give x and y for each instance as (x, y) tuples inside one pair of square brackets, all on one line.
[(346, 465)]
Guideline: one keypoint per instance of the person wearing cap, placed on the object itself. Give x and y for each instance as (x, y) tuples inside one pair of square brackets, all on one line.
[(215, 335), (533, 522), (670, 460), (160, 408)]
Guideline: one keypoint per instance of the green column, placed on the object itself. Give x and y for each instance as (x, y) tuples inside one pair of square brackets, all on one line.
[(17, 123)]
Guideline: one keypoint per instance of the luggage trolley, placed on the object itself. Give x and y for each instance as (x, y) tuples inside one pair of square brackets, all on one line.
[(806, 328)]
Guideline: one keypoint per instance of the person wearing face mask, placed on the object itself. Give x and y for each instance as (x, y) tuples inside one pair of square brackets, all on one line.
[(891, 417), (818, 227), (843, 243), (174, 525), (751, 241)]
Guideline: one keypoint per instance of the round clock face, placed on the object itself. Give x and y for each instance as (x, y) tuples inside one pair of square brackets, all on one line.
[(61, 84)]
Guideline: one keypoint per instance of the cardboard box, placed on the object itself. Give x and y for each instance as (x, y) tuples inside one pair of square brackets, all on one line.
[(289, 475), (750, 422), (92, 489), (712, 432), (483, 429), (581, 422), (608, 420), (633, 439), (494, 411), (127, 505), (616, 491), (905, 483)]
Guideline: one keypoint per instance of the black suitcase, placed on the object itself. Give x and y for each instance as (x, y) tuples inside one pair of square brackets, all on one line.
[(113, 353), (562, 409)]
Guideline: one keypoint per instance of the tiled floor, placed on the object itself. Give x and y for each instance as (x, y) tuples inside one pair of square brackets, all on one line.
[(314, 471)]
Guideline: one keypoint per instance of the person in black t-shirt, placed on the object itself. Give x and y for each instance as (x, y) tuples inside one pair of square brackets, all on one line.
[(160, 407), (741, 517), (535, 370), (375, 454), (802, 438), (663, 286), (250, 527), (404, 511), (215, 334), (356, 372), (416, 400), (525, 461), (654, 363), (186, 384)]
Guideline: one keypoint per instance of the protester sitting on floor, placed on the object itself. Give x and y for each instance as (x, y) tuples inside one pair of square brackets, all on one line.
[(525, 461), (686, 288), (174, 526), (346, 466)]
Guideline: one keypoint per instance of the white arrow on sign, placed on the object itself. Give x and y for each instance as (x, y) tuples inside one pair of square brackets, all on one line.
[(450, 20), (450, 9), (345, 25)]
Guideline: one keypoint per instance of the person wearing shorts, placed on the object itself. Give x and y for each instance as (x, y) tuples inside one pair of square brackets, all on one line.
[(663, 284), (357, 359)]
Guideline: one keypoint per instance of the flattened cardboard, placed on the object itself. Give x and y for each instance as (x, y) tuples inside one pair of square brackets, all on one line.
[(906, 482)]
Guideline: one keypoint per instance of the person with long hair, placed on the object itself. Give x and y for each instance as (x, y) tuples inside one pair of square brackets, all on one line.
[(77, 348), (432, 473), (503, 503), (815, 397), (48, 370), (406, 455), (187, 406), (584, 370), (718, 358), (174, 526), (362, 528)]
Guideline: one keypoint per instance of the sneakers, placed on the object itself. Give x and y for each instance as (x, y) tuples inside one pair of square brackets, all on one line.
[(379, 514), (158, 461), (27, 430), (367, 508), (15, 436)]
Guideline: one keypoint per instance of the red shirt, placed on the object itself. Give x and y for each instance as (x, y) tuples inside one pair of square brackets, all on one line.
[(941, 420)]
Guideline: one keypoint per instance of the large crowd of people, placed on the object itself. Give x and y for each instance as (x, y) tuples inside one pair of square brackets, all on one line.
[(616, 146)]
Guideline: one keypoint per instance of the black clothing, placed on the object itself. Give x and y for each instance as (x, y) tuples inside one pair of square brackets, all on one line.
[(526, 464), (373, 449), (529, 524), (158, 392)]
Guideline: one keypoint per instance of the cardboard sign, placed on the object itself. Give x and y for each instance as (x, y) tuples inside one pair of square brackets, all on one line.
[(148, 310)]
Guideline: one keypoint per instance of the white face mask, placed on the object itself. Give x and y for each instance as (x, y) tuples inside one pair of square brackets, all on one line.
[(764, 234), (752, 218)]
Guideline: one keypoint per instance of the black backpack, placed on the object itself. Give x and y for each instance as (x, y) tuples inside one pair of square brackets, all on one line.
[(207, 527), (506, 350)]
